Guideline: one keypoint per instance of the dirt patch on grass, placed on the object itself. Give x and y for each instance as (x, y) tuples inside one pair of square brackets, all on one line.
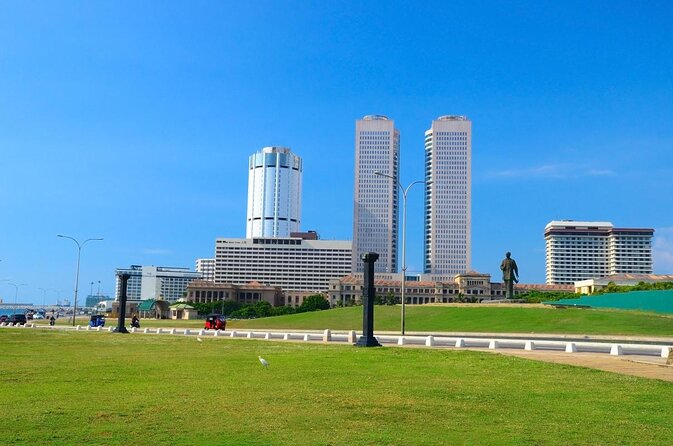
[(642, 366)]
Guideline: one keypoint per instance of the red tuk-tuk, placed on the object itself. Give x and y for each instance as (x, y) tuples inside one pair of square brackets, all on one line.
[(215, 322)]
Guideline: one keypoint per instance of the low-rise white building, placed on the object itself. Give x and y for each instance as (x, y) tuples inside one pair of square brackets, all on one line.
[(155, 282), (590, 286), (207, 269)]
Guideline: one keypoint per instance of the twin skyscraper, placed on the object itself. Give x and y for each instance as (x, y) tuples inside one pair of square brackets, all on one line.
[(275, 183), (448, 190)]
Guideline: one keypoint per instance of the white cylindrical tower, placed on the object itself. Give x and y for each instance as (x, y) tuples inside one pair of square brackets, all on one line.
[(274, 193)]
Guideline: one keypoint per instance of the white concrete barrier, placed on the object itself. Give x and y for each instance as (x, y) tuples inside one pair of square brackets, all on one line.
[(187, 332), (429, 341), (98, 328)]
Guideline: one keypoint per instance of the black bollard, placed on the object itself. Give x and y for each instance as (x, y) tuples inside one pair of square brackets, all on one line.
[(367, 339), (124, 278)]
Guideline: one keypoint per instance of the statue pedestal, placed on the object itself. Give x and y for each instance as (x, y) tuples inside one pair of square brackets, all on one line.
[(367, 341)]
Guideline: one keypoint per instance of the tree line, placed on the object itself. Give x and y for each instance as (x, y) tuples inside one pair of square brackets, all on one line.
[(235, 310)]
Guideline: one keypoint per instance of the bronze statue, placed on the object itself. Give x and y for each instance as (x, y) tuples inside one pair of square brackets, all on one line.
[(510, 274)]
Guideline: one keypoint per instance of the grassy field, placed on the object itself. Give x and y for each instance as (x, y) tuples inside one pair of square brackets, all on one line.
[(499, 319), (102, 388), (454, 318)]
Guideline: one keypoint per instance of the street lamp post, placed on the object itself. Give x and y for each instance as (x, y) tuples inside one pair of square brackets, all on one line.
[(404, 236), (58, 299), (79, 252), (16, 293), (44, 297)]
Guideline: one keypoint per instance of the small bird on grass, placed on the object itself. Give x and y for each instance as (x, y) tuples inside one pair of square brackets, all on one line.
[(264, 362)]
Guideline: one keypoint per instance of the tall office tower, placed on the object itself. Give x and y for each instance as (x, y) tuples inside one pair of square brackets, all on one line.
[(274, 193), (448, 196), (580, 250), (376, 197)]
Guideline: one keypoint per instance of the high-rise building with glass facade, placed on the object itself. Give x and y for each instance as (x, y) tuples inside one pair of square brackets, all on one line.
[(448, 196), (274, 193), (376, 197)]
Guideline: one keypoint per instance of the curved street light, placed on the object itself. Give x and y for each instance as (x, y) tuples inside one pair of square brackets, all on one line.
[(79, 252), (404, 235), (16, 293), (44, 296)]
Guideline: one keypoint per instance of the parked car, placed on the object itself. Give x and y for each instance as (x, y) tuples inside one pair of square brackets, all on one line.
[(38, 316), (3, 318), (17, 319), (97, 320)]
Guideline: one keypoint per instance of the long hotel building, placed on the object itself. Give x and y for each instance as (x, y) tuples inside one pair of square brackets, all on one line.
[(580, 250), (291, 263), (448, 196), (376, 197), (274, 193)]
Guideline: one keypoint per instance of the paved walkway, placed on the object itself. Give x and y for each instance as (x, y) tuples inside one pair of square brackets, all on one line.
[(642, 366)]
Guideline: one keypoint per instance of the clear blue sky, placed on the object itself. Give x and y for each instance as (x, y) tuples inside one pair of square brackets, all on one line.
[(133, 121)]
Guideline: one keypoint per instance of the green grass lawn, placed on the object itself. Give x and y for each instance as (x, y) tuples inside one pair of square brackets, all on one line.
[(468, 318), (102, 388), (499, 319)]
